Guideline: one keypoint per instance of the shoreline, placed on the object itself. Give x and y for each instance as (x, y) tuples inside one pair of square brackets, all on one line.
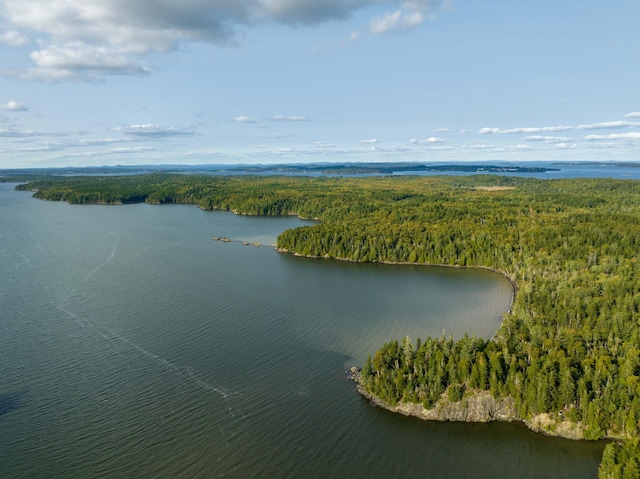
[(478, 407), (511, 279)]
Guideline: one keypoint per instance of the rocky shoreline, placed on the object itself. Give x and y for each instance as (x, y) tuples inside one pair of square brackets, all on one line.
[(479, 407)]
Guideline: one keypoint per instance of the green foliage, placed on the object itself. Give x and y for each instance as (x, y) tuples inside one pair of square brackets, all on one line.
[(621, 461), (570, 346)]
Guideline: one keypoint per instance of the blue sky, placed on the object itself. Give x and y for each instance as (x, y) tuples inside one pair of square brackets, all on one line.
[(108, 82)]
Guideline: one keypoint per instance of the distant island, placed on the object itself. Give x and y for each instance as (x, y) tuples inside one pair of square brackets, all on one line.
[(391, 168), (566, 359), (288, 169)]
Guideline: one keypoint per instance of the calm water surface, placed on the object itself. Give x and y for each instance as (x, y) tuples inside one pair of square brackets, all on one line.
[(135, 346)]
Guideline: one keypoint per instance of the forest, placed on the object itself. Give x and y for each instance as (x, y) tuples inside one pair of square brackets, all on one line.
[(570, 345)]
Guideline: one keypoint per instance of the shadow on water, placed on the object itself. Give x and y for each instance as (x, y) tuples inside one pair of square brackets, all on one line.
[(10, 402)]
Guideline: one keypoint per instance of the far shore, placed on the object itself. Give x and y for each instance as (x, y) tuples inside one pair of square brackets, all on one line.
[(511, 279)]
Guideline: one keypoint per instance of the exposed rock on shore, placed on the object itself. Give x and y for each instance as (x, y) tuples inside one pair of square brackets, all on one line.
[(478, 407)]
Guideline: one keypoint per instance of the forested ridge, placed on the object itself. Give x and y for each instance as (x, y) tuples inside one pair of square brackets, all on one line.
[(569, 347)]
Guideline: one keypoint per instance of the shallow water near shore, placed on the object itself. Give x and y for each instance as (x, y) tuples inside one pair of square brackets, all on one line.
[(135, 346)]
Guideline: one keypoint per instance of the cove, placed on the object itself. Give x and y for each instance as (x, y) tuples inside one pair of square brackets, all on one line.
[(141, 347)]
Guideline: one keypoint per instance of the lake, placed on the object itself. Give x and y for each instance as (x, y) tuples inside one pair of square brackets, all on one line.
[(133, 345)]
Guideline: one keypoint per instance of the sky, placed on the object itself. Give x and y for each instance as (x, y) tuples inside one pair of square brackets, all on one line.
[(122, 82)]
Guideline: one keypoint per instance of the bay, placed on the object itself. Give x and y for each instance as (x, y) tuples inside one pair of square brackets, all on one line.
[(135, 346)]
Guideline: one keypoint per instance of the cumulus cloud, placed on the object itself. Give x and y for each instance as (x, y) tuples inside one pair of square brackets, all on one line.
[(370, 141), (81, 56), (13, 106), (529, 130), (633, 114), (244, 119), (488, 131), (608, 124), (151, 130), (411, 15), (14, 38), (100, 37), (309, 12), (395, 22), (79, 61), (427, 141), (634, 135)]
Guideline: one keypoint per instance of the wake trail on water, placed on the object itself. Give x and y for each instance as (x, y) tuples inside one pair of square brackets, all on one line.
[(185, 372)]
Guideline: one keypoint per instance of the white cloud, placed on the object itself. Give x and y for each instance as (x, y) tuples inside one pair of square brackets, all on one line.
[(411, 15), (370, 141), (548, 139), (244, 119), (519, 147), (634, 135), (36, 149), (481, 146), (428, 141), (567, 146), (14, 38), (19, 133), (487, 131), (607, 125), (386, 149), (151, 130), (13, 106), (278, 136), (81, 61), (127, 150), (100, 141), (395, 22), (633, 114), (46, 76), (289, 118), (530, 129)]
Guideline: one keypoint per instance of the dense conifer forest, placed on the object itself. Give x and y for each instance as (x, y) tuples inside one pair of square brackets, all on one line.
[(569, 347)]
